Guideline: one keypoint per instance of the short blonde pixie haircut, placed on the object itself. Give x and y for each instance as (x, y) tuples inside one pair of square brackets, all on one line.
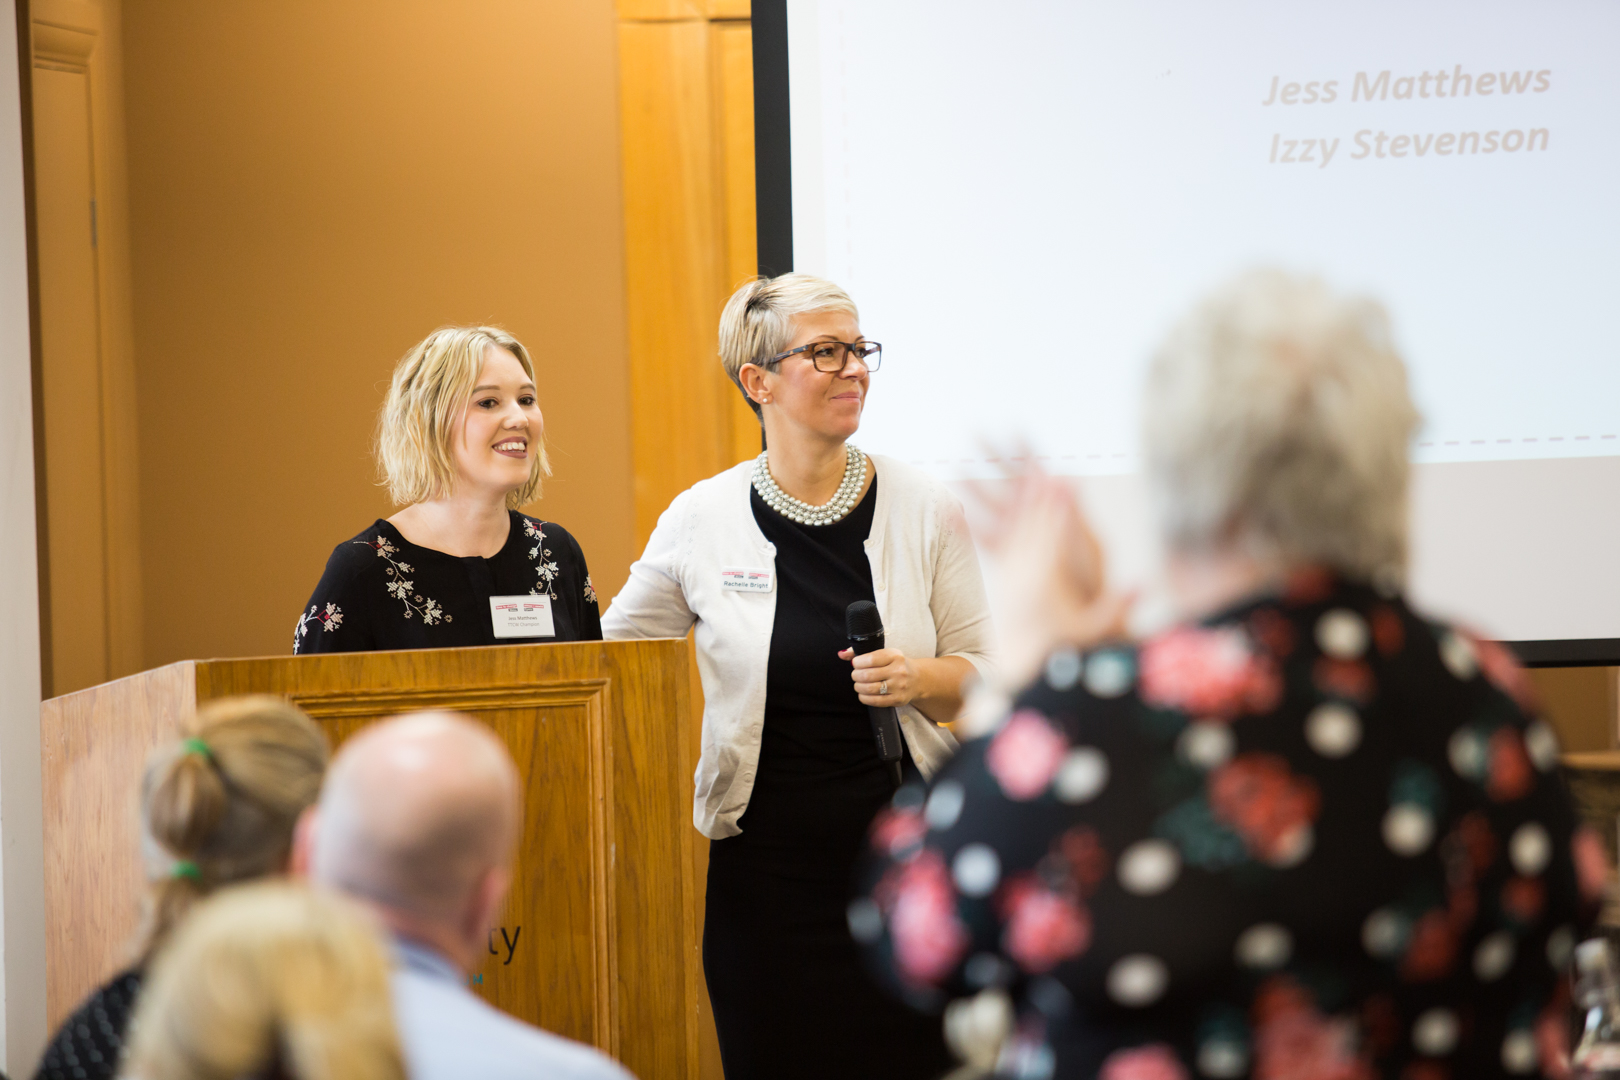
[(1277, 417), (431, 387), (757, 322)]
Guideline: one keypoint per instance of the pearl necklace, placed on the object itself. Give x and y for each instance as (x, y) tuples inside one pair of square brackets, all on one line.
[(836, 509)]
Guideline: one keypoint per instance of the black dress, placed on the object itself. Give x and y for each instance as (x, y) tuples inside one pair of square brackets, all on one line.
[(90, 1044), (380, 591), (790, 996), (1315, 835)]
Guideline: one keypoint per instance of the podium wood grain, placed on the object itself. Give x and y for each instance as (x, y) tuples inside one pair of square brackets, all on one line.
[(599, 940)]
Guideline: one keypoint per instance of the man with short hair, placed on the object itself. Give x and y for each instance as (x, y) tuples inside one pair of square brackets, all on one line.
[(418, 818)]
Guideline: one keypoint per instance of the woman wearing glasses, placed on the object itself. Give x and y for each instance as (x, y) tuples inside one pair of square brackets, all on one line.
[(764, 558)]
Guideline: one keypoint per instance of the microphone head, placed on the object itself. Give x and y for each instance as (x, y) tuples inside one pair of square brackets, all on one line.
[(862, 619)]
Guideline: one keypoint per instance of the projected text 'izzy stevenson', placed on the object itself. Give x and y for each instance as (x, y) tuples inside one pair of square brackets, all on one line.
[(1375, 144), (1382, 144)]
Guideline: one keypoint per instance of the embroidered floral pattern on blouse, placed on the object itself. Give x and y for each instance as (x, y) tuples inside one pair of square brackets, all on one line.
[(399, 586), (544, 566), (590, 590), (329, 619)]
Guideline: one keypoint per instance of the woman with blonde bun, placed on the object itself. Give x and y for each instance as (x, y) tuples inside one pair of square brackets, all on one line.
[(272, 981), (218, 806), (461, 445)]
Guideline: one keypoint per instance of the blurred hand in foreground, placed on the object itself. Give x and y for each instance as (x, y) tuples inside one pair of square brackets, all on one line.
[(1050, 582)]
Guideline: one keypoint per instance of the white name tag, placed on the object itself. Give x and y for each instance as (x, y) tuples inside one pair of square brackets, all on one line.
[(745, 579), (521, 616)]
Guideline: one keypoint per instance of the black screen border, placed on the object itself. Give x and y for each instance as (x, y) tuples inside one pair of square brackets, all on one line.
[(1568, 652), (773, 142)]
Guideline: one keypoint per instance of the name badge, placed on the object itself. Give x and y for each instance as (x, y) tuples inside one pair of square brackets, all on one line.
[(521, 616), (746, 579)]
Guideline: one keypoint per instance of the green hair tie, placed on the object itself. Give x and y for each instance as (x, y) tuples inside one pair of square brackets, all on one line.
[(197, 746), (187, 869)]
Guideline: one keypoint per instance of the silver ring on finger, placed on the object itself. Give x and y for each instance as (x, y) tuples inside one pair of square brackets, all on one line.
[(883, 688)]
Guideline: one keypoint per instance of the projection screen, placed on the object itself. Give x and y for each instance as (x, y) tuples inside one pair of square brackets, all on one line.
[(1021, 196)]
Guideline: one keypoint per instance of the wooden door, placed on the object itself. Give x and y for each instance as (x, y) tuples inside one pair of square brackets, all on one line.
[(71, 370), (91, 593), (687, 142)]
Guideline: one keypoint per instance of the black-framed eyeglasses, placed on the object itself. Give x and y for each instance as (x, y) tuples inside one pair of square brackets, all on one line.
[(833, 356)]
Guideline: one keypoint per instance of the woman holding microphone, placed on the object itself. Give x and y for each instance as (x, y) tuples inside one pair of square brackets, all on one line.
[(461, 445), (764, 559)]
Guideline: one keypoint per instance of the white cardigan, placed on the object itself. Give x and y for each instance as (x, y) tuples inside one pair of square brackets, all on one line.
[(925, 575)]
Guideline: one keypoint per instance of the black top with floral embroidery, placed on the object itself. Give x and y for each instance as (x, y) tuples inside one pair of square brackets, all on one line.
[(380, 591), (1314, 836)]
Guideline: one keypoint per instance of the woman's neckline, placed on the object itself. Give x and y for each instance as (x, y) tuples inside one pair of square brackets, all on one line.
[(755, 501), (513, 533)]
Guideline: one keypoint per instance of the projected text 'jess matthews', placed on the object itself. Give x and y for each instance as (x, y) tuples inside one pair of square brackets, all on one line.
[(1417, 135)]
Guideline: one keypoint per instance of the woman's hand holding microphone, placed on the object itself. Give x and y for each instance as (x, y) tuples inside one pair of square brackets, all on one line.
[(884, 678), (888, 678)]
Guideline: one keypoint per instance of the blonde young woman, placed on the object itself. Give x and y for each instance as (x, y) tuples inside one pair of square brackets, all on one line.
[(217, 806), (461, 445), (764, 559), (272, 981)]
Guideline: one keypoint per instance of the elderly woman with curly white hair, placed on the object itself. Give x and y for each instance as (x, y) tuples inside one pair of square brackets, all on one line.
[(765, 559), (1304, 832)]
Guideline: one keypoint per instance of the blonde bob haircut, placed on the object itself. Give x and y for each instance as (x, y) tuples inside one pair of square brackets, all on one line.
[(270, 979), (431, 387), (1277, 418), (757, 322)]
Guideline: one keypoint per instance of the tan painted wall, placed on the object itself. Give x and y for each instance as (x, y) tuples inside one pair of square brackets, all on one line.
[(313, 187)]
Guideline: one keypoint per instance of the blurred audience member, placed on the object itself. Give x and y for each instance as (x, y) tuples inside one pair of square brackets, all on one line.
[(1305, 832), (419, 818), (272, 981), (218, 806)]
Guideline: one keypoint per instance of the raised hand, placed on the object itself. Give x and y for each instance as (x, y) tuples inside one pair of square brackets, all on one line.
[(1050, 584)]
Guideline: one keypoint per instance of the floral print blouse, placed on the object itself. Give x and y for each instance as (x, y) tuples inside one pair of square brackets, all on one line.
[(1314, 837), (380, 591)]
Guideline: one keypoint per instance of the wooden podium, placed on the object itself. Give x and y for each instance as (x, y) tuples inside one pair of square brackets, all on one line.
[(600, 937)]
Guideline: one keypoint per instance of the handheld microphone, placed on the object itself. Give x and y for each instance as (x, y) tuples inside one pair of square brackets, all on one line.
[(864, 625)]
